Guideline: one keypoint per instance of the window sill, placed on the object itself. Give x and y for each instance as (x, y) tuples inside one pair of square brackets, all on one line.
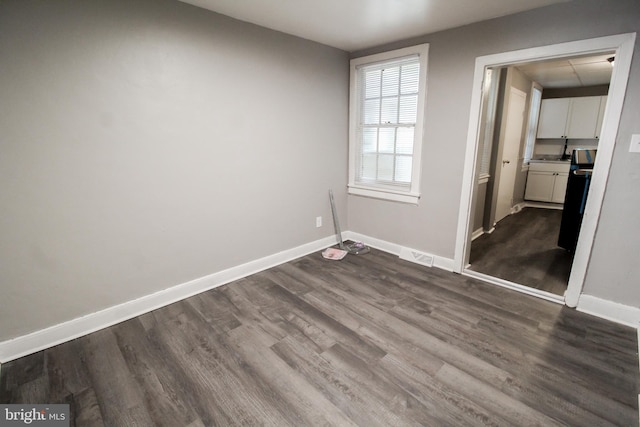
[(411, 198)]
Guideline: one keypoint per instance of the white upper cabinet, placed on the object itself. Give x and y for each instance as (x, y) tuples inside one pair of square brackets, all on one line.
[(553, 117), (575, 118), (583, 117)]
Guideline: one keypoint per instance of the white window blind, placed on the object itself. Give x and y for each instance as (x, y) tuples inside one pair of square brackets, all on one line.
[(491, 89), (387, 98), (532, 126), (386, 132)]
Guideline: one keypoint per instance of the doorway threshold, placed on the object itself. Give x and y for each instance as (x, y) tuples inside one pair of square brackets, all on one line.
[(558, 299)]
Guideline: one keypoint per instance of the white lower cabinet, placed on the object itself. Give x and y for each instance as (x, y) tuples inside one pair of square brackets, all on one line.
[(540, 186), (547, 182), (559, 187)]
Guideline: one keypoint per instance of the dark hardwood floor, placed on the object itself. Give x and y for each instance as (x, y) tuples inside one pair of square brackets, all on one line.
[(524, 249), (369, 341)]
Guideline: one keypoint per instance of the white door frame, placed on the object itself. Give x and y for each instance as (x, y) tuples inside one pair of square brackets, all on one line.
[(623, 45)]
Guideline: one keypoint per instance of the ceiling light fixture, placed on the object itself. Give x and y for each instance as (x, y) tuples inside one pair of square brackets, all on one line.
[(611, 60)]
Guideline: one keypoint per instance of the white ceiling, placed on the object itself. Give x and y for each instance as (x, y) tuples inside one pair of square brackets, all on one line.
[(358, 24), (572, 72)]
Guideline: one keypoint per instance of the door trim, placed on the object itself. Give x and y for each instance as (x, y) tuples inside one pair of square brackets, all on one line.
[(515, 286), (623, 45)]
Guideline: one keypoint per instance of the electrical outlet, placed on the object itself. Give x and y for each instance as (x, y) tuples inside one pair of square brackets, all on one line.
[(318, 221), (635, 144)]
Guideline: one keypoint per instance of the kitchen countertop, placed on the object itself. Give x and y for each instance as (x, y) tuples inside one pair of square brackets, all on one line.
[(549, 160), (550, 166)]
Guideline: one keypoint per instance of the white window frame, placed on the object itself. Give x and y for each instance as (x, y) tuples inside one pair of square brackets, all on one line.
[(380, 191)]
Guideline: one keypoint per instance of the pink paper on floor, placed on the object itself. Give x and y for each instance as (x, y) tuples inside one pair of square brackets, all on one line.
[(334, 254)]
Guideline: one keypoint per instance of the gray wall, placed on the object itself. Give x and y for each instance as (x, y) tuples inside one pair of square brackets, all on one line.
[(613, 272), (148, 143)]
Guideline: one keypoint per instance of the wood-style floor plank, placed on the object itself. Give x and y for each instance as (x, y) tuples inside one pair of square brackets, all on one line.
[(370, 340), (310, 405), (524, 249)]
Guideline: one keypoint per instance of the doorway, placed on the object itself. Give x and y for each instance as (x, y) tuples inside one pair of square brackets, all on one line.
[(518, 239), (622, 46)]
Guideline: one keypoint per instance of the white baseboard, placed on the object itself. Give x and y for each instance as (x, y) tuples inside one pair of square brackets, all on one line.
[(45, 338), (395, 249), (382, 245), (479, 232), (543, 205), (518, 207), (616, 312), (443, 263), (66, 331)]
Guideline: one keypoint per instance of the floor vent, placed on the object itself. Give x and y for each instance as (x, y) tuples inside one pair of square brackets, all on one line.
[(417, 257)]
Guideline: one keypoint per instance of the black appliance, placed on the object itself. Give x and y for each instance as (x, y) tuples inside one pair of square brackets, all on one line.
[(575, 198)]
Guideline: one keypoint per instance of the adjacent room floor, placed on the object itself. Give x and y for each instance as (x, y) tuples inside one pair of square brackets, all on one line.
[(369, 341), (524, 249)]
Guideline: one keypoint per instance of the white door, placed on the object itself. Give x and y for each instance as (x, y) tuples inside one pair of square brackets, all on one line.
[(511, 149)]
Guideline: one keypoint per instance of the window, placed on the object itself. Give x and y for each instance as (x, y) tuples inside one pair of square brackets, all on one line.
[(532, 126), (387, 109)]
